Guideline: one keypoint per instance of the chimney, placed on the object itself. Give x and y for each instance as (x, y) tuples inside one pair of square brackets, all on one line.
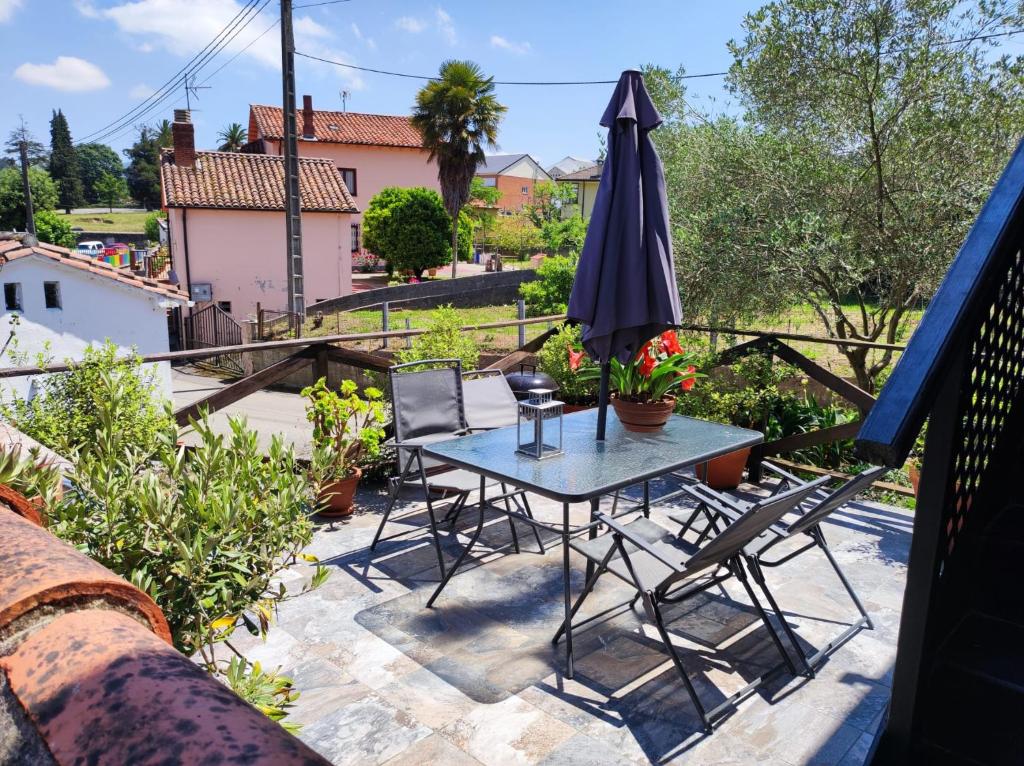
[(308, 131), (183, 134)]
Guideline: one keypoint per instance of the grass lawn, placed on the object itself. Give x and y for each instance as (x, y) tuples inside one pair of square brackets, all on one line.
[(101, 220)]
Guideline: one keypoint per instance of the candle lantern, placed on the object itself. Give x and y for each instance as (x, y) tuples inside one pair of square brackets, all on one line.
[(538, 416)]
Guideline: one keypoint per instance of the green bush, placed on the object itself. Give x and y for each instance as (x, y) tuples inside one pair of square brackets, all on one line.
[(549, 293), (64, 414), (55, 229), (408, 228), (444, 339), (564, 236), (553, 358), (152, 225)]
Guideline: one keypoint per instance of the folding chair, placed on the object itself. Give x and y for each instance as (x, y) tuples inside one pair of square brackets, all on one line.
[(719, 508), (666, 570)]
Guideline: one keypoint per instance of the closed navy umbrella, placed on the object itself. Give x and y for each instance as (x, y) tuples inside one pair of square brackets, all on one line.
[(625, 291)]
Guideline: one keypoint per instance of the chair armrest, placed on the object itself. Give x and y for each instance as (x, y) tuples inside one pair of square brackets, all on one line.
[(704, 494), (643, 545), (772, 468)]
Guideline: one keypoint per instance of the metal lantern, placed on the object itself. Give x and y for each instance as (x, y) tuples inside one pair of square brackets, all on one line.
[(533, 413)]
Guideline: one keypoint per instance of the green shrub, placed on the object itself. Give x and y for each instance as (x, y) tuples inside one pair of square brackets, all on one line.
[(55, 229), (64, 415), (444, 339), (152, 225), (549, 293), (553, 358), (408, 228)]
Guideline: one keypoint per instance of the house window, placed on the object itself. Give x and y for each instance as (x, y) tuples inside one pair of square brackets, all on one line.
[(355, 238), (12, 296), (348, 175), (51, 294), (575, 194), (224, 306), (526, 190)]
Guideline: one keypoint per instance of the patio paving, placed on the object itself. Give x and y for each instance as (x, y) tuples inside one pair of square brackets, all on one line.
[(477, 680)]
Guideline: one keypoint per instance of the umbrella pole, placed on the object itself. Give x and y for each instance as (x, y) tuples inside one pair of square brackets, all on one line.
[(602, 400)]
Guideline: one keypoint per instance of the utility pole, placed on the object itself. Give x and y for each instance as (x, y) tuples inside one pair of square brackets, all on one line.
[(30, 218), (292, 210)]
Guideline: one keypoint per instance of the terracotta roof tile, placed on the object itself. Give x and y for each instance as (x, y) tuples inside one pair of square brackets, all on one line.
[(251, 182), (343, 127), (12, 249)]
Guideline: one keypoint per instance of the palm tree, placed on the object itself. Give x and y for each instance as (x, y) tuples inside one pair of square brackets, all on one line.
[(233, 138), (457, 115)]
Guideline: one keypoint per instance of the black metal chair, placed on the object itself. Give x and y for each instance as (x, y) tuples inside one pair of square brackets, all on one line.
[(664, 569), (721, 510), (428, 406)]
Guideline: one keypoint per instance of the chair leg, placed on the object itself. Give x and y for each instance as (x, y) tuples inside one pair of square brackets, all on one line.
[(741, 575), (651, 607), (452, 516), (591, 582), (392, 497), (758, 573), (819, 537), (511, 521), (430, 515)]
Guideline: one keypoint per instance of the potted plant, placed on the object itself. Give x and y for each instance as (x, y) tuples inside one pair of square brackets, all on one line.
[(346, 430), (644, 387)]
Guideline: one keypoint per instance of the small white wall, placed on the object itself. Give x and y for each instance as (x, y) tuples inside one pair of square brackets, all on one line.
[(94, 309), (526, 168)]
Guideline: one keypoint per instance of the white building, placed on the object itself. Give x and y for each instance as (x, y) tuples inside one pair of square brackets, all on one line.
[(69, 301)]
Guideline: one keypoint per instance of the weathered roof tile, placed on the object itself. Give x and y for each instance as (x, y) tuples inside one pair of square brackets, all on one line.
[(342, 127)]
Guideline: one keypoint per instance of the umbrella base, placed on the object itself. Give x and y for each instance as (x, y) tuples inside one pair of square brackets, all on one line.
[(643, 417)]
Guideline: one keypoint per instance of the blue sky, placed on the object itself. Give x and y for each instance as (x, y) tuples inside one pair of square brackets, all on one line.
[(98, 59)]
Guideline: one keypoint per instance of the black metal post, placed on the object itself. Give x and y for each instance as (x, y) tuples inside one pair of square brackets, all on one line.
[(290, 149), (602, 400)]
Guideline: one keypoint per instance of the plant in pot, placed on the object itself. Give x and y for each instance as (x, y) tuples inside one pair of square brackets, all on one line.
[(562, 357), (347, 429), (645, 386)]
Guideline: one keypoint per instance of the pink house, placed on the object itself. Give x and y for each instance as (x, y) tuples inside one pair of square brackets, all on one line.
[(227, 229), (370, 151)]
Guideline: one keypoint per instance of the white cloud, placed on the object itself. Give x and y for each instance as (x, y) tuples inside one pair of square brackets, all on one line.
[(140, 91), (369, 42), (87, 9), (66, 73), (7, 9), (410, 24), (497, 41), (183, 27), (445, 26)]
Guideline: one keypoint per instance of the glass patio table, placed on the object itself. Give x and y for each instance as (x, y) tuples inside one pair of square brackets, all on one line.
[(585, 471)]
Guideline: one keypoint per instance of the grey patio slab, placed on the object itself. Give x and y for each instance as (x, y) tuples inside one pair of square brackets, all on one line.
[(476, 679)]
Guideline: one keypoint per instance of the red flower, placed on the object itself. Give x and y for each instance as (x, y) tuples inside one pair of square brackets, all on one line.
[(575, 359), (668, 343), (687, 384), (648, 361)]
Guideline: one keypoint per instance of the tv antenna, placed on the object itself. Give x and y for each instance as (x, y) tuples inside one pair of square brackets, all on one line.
[(192, 90), (345, 96)]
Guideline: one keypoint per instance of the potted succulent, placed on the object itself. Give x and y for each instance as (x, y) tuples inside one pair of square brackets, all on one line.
[(644, 387), (347, 429)]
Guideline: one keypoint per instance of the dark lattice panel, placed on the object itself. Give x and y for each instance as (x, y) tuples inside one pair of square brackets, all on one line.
[(993, 381)]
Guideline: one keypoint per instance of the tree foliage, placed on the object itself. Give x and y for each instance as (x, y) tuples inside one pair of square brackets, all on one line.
[(93, 161), (408, 228), (514, 235), (889, 139), (458, 115), (564, 236), (37, 154), (64, 163), (549, 293), (12, 198), (550, 202), (143, 173), (111, 190), (232, 138), (54, 228)]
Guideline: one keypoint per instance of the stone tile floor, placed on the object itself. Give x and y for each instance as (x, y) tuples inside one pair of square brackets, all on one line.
[(476, 679)]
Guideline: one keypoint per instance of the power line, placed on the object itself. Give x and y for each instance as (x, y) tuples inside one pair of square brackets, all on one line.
[(175, 78), (243, 50), (127, 126), (323, 2)]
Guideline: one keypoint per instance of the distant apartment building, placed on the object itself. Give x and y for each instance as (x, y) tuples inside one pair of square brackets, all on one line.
[(369, 151), (515, 176)]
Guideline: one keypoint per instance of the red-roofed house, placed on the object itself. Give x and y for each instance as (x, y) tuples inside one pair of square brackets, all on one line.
[(226, 225), (370, 151), (57, 302)]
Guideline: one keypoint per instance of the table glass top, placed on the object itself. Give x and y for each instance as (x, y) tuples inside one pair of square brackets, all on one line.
[(589, 468)]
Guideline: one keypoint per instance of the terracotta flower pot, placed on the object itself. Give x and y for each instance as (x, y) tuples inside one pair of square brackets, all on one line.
[(337, 497), (643, 417), (570, 408), (725, 472), (914, 474)]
